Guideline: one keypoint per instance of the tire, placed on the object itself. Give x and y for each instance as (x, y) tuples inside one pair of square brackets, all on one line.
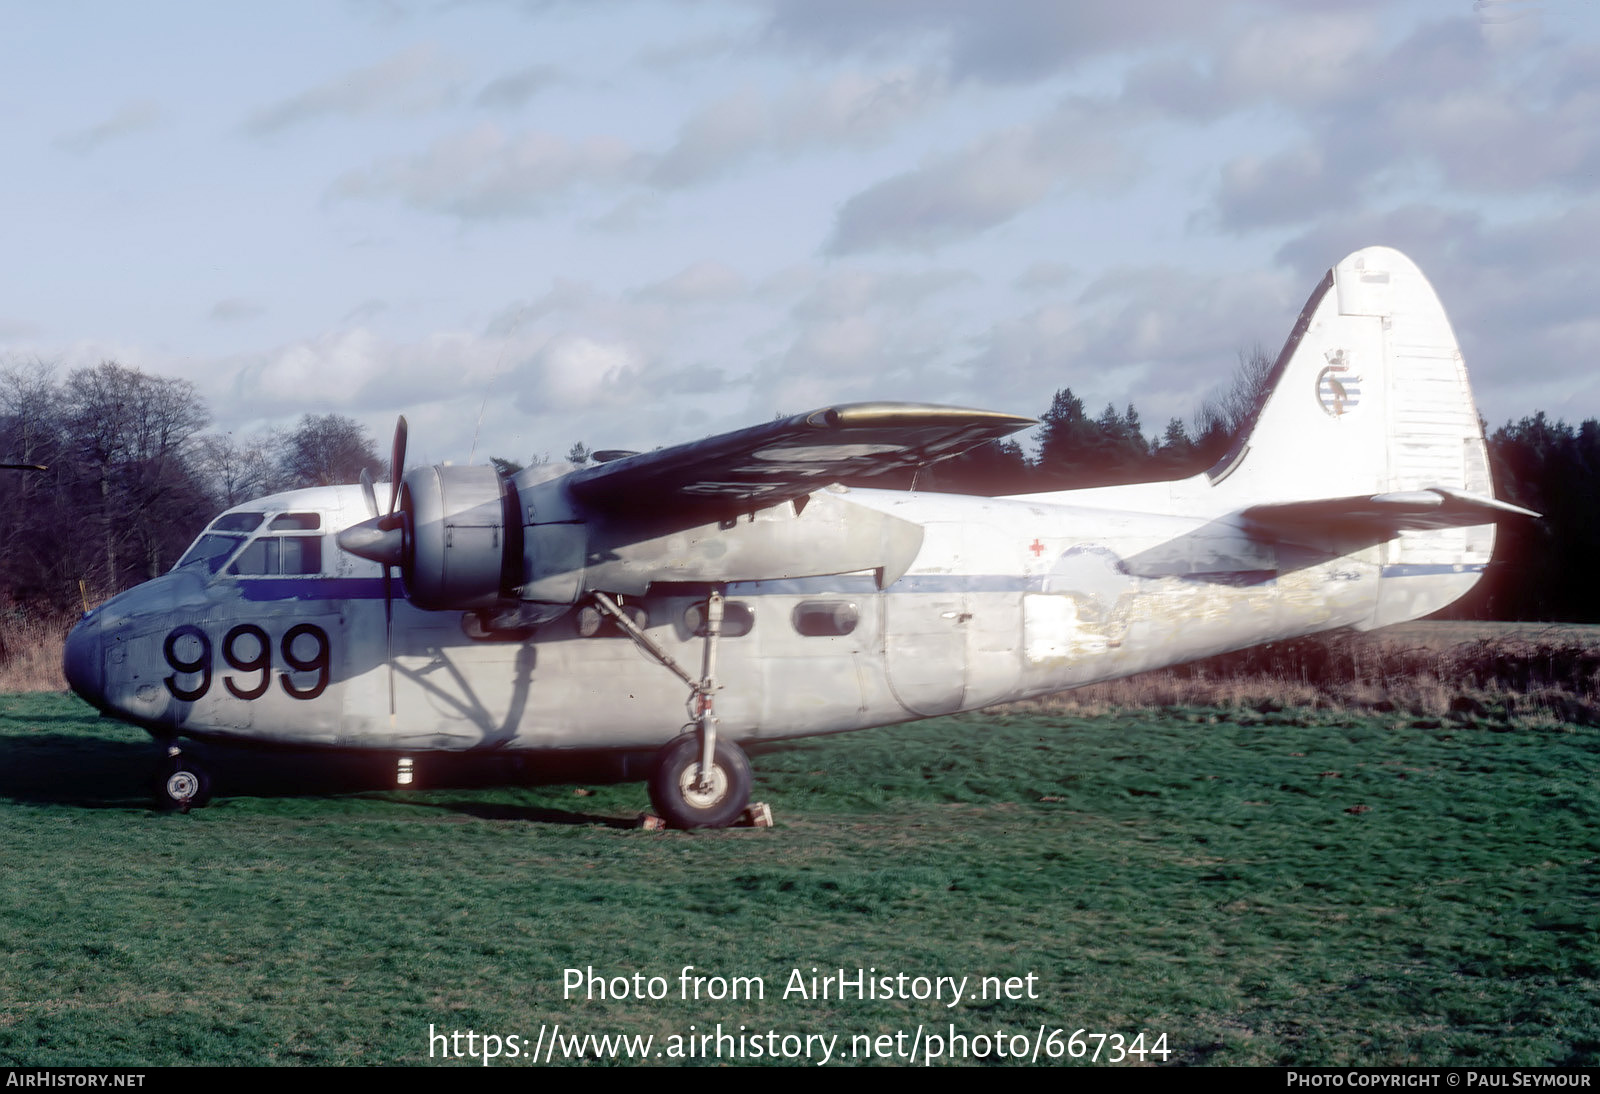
[(672, 781), (185, 786)]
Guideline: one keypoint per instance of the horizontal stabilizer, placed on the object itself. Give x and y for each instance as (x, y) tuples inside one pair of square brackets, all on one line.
[(1433, 507), (788, 458)]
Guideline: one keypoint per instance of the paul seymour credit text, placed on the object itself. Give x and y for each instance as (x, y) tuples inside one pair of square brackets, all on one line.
[(719, 1038)]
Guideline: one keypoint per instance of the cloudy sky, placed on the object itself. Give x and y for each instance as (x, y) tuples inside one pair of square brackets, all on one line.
[(633, 222)]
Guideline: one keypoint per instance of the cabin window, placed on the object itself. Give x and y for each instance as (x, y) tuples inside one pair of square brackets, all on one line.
[(302, 554), (261, 557), (295, 522), (825, 618), (737, 619), (280, 555), (236, 522)]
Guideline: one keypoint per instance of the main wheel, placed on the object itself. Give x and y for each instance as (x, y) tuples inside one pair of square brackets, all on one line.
[(186, 786), (681, 803)]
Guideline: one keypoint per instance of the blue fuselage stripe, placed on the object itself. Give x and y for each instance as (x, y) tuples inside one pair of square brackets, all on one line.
[(1427, 569), (371, 588)]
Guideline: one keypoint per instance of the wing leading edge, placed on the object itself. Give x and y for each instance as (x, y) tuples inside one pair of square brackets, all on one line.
[(789, 458)]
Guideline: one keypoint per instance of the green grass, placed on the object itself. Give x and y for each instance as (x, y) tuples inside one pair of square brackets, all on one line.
[(1308, 889)]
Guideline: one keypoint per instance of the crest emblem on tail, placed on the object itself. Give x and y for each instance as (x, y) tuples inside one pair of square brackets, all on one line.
[(1338, 393)]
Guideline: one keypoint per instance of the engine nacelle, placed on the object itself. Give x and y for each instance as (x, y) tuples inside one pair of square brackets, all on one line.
[(456, 550)]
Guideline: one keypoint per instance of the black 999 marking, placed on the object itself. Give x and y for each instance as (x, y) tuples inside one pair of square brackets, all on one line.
[(261, 662), (244, 661), (320, 662), (188, 668)]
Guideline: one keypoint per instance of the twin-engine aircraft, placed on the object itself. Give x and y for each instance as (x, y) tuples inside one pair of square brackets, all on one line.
[(684, 601)]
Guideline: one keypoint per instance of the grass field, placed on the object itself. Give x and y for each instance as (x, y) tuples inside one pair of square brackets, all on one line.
[(1312, 887)]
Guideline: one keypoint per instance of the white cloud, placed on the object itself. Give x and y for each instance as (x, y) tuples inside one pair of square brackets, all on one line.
[(1080, 144), (133, 118), (712, 140), (234, 309), (1160, 337), (513, 90), (1438, 108), (485, 173), (575, 372), (1285, 188), (850, 109), (845, 293), (412, 82), (1519, 293), (1010, 42), (701, 282)]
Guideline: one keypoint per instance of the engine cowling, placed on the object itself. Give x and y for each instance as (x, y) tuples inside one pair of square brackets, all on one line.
[(455, 548)]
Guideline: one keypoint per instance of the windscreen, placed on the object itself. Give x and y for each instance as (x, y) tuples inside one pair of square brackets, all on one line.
[(209, 551)]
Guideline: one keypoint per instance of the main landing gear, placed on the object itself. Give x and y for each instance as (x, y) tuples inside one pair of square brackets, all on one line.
[(685, 799), (182, 784), (699, 780)]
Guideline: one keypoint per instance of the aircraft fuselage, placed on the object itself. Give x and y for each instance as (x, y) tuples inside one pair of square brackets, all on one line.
[(1007, 599)]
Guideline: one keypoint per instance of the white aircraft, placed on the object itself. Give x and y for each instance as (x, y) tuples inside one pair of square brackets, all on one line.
[(552, 613)]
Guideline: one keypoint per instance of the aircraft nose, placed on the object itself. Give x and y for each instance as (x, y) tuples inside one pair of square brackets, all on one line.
[(84, 662)]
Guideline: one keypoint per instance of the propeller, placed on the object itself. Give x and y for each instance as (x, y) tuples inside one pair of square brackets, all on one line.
[(382, 538), (368, 493), (397, 461)]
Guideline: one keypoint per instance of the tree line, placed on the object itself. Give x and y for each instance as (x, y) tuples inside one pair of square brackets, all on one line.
[(131, 476), (134, 473)]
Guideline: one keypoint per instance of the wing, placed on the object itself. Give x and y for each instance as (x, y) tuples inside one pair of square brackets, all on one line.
[(785, 459)]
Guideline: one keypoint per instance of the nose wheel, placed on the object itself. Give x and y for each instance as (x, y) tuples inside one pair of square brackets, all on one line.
[(685, 799), (183, 785)]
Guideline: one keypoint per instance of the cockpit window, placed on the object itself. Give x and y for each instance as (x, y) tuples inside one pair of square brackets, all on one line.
[(237, 522), (296, 522), (261, 557), (275, 555), (211, 551)]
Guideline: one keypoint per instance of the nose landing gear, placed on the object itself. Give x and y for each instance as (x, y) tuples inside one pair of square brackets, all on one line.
[(183, 784)]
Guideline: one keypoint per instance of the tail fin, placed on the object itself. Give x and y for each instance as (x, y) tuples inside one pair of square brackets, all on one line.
[(1369, 423), (1368, 396)]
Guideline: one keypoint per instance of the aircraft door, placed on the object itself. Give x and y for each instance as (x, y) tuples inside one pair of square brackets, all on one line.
[(925, 643), (950, 637), (994, 604)]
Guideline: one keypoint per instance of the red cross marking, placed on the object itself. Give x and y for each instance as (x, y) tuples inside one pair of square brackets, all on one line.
[(1037, 548)]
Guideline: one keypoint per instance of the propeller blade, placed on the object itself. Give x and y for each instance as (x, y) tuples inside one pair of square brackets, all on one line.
[(388, 635), (369, 493), (397, 462)]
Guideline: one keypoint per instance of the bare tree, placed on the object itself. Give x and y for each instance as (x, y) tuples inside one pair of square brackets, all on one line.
[(1230, 410), (237, 470), (133, 436), (327, 449)]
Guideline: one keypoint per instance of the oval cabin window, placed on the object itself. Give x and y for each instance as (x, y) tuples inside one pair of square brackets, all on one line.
[(737, 619), (825, 618)]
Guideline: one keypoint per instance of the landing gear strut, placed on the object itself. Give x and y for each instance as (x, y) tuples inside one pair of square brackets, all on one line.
[(700, 780), (183, 784)]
